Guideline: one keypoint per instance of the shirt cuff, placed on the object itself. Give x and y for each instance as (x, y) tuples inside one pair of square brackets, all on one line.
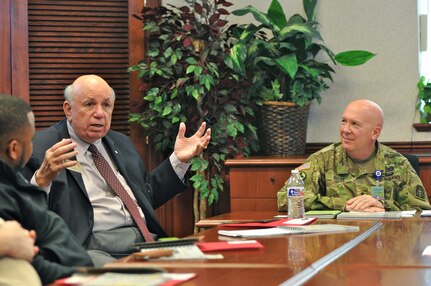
[(46, 189), (179, 167)]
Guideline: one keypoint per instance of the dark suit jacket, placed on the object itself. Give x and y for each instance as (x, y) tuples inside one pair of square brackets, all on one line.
[(59, 251), (68, 196)]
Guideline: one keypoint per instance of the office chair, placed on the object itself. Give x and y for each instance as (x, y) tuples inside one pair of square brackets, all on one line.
[(414, 161)]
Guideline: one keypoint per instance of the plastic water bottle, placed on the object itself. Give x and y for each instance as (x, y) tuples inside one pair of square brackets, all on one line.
[(295, 196)]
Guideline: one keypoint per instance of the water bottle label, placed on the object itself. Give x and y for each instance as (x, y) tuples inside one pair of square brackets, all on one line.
[(295, 192)]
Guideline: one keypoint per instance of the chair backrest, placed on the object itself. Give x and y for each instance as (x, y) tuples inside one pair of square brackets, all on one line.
[(414, 161)]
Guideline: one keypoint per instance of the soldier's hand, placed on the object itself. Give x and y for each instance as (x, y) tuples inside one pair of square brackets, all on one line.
[(56, 159), (374, 210), (364, 202)]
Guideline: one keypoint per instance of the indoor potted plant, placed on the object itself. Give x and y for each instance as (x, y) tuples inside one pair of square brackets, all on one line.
[(288, 69), (185, 79), (424, 100)]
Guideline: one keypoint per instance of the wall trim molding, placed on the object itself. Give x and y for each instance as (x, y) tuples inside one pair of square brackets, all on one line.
[(419, 147)]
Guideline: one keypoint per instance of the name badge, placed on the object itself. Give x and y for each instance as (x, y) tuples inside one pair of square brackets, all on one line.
[(76, 168), (378, 192)]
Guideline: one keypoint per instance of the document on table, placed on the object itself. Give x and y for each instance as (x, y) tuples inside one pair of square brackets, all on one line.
[(126, 279), (186, 252), (282, 230), (369, 215)]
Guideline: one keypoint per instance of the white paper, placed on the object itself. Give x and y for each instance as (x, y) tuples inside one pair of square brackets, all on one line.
[(427, 250), (408, 213), (426, 213)]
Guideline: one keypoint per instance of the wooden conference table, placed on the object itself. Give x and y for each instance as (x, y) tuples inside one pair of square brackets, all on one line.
[(390, 256)]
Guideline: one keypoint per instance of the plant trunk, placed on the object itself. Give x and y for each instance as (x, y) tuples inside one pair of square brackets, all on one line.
[(195, 210), (199, 208)]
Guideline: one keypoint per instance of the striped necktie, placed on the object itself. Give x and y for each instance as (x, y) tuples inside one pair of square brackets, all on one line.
[(108, 174)]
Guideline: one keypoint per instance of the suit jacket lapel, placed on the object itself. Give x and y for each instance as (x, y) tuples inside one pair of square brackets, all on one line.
[(115, 154)]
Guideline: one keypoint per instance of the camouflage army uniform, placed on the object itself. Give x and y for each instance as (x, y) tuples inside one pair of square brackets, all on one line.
[(331, 178)]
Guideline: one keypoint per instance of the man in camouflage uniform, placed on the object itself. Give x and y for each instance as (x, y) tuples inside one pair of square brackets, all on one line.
[(359, 173)]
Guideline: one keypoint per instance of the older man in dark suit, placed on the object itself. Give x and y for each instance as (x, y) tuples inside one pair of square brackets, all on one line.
[(65, 163)]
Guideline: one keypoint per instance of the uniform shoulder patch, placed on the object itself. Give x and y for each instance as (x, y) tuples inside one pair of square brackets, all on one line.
[(420, 192), (302, 175)]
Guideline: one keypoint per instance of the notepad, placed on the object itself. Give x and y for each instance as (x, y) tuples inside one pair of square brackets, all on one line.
[(369, 215), (282, 230), (229, 245), (322, 213)]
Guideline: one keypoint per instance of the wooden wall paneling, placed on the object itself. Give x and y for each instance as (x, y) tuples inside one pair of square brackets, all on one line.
[(19, 50), (5, 48), (71, 38)]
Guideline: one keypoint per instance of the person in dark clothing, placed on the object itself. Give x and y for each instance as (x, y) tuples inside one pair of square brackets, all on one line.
[(59, 252)]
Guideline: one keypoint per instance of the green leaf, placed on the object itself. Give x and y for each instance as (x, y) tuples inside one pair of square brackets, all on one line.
[(239, 126), (231, 130), (153, 53), (288, 64), (249, 32), (196, 177), (191, 61), (276, 14), (238, 55), (190, 69), (198, 70), (174, 59), (310, 9), (167, 110), (258, 15), (207, 83), (229, 108), (305, 28), (353, 58), (168, 52), (195, 94), (175, 119), (174, 93)]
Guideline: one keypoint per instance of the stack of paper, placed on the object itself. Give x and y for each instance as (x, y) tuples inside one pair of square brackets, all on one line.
[(369, 215), (281, 230), (126, 279), (426, 213)]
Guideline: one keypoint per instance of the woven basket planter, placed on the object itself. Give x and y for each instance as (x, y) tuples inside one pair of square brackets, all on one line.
[(283, 128)]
